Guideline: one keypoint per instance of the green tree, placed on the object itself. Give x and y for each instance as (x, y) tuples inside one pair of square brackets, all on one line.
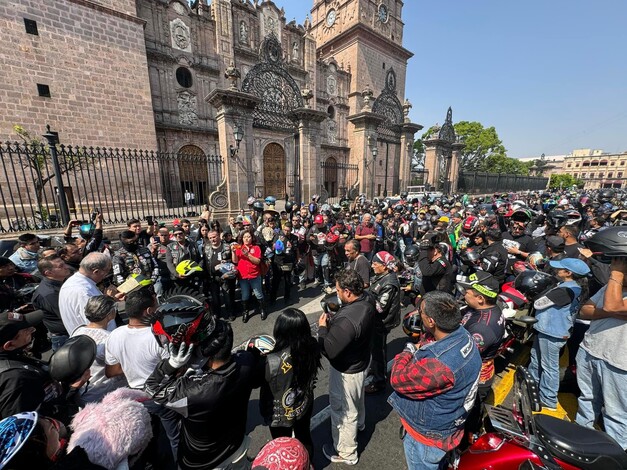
[(482, 147), (564, 181)]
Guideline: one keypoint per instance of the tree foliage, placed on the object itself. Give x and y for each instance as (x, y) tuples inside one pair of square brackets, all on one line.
[(563, 181), (483, 150)]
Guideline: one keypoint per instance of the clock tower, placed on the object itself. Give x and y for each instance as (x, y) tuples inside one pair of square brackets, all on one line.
[(366, 36)]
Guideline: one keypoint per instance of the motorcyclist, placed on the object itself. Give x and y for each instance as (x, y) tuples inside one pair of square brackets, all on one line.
[(437, 272), (133, 259)]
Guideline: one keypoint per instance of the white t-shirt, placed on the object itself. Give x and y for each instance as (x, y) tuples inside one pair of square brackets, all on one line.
[(605, 339), (73, 296), (137, 352), (99, 384)]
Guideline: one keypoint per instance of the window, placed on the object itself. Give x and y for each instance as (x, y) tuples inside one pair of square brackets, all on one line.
[(622, 163), (569, 165), (43, 90), (591, 176), (610, 175), (612, 163), (184, 77), (31, 27), (331, 112), (575, 175), (619, 174), (586, 163)]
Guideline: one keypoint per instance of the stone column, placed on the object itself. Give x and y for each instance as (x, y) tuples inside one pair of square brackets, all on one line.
[(432, 152), (233, 108), (407, 152), (454, 173), (364, 138), (309, 145)]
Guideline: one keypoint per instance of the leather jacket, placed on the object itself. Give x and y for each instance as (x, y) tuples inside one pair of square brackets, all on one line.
[(386, 290)]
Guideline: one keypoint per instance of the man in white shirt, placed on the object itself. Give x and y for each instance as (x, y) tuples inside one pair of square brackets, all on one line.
[(78, 289), (133, 350)]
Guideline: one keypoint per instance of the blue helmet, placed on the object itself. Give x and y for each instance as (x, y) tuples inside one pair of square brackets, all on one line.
[(14, 432), (279, 247)]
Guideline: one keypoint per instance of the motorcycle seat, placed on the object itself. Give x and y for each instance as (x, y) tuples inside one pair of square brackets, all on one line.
[(577, 445)]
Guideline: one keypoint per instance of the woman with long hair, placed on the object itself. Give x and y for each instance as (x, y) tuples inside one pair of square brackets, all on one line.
[(286, 400), (247, 258)]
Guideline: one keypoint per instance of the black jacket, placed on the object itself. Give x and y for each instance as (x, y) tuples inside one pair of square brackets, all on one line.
[(386, 291), (346, 340), (46, 298), (436, 275), (494, 260), (214, 406)]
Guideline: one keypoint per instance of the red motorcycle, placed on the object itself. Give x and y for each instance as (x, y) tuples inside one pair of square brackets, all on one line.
[(520, 439)]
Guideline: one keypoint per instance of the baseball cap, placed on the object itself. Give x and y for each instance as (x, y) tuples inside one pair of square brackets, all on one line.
[(573, 265), (483, 282), (444, 219), (12, 322), (555, 243)]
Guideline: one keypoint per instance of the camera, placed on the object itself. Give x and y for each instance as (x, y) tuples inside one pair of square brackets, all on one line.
[(94, 214)]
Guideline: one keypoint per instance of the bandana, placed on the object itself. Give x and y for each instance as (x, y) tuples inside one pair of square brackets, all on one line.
[(384, 258), (283, 453)]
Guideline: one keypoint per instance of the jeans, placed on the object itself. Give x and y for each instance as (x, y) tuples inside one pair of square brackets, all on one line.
[(422, 457), (57, 341), (255, 284), (348, 410), (322, 263), (545, 367), (602, 394), (170, 420)]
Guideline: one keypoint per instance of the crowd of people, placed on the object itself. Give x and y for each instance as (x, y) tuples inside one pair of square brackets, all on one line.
[(160, 303)]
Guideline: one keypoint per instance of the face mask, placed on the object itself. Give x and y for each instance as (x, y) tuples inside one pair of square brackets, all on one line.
[(130, 246)]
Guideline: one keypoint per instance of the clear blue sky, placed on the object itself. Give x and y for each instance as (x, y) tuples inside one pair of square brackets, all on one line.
[(549, 75)]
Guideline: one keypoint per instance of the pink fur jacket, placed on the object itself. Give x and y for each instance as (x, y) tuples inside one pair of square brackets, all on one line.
[(114, 429)]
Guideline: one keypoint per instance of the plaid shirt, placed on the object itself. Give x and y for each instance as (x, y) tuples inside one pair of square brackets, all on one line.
[(421, 380)]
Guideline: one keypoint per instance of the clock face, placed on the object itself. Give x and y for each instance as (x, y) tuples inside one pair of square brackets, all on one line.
[(383, 13), (331, 17)]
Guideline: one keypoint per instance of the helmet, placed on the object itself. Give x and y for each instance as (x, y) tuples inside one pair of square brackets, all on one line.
[(411, 254), (610, 242), (270, 200), (548, 205), (470, 225), (262, 343), (412, 323), (250, 201), (87, 230), (606, 195), (14, 432), (318, 219), (182, 320), (142, 280), (187, 267), (330, 303), (532, 284), (557, 219), (470, 257), (228, 270), (289, 207), (325, 209), (313, 208), (331, 239), (71, 360), (522, 215), (258, 206), (399, 208), (279, 247), (336, 208), (574, 217)]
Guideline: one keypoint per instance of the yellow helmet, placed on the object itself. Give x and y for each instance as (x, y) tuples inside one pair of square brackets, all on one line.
[(141, 279), (188, 267)]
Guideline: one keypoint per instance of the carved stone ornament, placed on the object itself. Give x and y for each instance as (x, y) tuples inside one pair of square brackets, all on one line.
[(447, 132), (180, 35), (219, 198), (243, 32), (179, 9), (270, 24), (331, 85), (332, 132), (187, 109)]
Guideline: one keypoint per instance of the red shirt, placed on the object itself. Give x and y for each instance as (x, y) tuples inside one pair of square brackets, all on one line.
[(366, 245), (247, 269)]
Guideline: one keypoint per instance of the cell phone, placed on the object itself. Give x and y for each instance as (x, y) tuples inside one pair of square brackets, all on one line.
[(149, 219), (155, 239)]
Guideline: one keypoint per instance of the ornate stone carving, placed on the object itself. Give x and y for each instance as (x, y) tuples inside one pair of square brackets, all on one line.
[(332, 132), (243, 32), (187, 108), (232, 74), (389, 106), (219, 199), (295, 51), (366, 94), (447, 132), (331, 85), (178, 8), (180, 35)]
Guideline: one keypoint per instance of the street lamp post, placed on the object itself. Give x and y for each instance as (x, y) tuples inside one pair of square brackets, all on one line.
[(53, 140), (375, 152)]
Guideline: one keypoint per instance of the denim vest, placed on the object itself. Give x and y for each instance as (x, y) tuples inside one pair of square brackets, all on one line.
[(440, 416), (555, 321)]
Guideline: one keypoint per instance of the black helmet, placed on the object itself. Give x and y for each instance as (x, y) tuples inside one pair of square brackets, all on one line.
[(330, 303), (182, 318), (532, 284), (336, 208), (258, 206), (557, 219), (412, 323), (411, 254), (404, 194), (71, 360), (470, 257), (606, 195), (289, 207), (610, 242)]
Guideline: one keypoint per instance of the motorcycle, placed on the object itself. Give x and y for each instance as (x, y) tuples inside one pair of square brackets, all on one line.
[(519, 319), (522, 439)]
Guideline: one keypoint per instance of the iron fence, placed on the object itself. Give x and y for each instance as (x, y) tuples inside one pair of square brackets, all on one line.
[(338, 180), (484, 183), (123, 184)]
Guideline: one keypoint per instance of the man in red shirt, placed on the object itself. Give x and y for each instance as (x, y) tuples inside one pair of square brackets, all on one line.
[(366, 233)]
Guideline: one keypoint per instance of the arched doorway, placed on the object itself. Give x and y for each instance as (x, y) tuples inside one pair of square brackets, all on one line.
[(193, 174), (274, 171), (330, 176)]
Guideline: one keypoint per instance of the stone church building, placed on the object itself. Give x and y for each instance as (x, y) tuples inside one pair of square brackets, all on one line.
[(294, 110)]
